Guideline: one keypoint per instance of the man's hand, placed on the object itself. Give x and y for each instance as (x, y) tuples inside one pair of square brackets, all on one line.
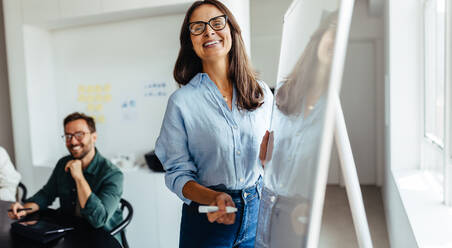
[(75, 167), (222, 200), (14, 214)]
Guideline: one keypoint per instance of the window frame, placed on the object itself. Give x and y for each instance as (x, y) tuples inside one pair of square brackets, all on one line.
[(435, 152)]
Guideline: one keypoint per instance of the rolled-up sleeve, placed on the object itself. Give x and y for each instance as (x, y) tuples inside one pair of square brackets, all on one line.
[(172, 150), (101, 206)]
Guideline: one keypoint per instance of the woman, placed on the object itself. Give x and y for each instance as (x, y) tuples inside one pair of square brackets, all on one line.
[(211, 132)]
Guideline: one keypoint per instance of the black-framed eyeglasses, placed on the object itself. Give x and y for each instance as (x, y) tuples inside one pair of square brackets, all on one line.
[(217, 23), (78, 136)]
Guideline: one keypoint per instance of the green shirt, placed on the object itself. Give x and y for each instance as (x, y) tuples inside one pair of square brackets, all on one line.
[(105, 180)]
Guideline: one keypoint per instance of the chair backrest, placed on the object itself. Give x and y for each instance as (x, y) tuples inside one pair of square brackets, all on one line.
[(24, 191), (120, 228)]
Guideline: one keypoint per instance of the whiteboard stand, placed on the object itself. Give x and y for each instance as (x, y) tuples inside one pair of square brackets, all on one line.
[(350, 175)]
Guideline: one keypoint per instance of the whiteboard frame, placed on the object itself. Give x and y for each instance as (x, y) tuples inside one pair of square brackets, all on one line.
[(334, 120)]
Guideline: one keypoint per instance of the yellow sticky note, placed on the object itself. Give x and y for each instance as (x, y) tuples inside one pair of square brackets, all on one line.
[(90, 107), (99, 98), (107, 98), (107, 88), (91, 89), (81, 98), (81, 89), (98, 107), (100, 119), (98, 88), (90, 99)]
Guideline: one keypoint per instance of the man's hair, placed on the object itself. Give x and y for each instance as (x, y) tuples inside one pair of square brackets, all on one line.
[(77, 116)]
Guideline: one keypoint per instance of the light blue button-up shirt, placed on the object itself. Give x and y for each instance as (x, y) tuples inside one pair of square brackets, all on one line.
[(202, 140)]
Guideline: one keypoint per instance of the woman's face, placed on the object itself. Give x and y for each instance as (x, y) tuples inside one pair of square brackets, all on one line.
[(211, 45), (326, 47)]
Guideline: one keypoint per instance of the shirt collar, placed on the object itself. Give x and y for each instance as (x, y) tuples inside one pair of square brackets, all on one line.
[(199, 78), (93, 166)]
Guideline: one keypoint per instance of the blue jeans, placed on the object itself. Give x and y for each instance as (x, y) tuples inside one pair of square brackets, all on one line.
[(278, 225), (197, 232)]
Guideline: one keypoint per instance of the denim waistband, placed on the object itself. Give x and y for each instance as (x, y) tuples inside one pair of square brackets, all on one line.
[(239, 193)]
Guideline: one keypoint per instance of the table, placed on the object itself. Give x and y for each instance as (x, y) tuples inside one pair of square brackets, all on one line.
[(83, 236)]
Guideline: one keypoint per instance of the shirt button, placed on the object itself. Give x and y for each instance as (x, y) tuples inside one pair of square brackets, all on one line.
[(246, 194), (242, 180), (238, 152), (235, 127), (272, 198)]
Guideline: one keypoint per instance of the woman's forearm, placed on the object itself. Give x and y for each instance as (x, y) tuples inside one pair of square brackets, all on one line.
[(198, 193)]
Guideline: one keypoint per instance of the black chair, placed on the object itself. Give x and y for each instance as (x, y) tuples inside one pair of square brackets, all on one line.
[(24, 191), (121, 227)]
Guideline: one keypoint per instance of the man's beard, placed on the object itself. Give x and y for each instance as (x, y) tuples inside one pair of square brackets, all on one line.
[(82, 155)]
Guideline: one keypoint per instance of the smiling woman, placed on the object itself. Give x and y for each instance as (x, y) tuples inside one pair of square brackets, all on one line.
[(207, 142)]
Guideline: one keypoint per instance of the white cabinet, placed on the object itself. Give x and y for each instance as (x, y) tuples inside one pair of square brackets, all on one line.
[(157, 210)]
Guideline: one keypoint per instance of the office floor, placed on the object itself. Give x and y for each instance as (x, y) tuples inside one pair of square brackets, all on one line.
[(337, 224)]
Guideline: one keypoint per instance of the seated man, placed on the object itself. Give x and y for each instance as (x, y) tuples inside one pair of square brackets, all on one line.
[(9, 177), (87, 184)]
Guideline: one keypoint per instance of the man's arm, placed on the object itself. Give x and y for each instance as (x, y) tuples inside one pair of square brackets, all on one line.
[(83, 188), (100, 206)]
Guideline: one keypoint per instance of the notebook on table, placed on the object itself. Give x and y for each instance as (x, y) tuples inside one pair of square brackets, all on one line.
[(39, 230)]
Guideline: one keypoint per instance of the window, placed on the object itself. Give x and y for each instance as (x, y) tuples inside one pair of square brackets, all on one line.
[(433, 147)]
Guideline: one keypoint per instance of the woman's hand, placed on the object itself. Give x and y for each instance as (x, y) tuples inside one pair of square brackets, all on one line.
[(221, 201), (266, 145)]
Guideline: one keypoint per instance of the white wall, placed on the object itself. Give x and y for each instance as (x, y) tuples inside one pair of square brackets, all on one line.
[(403, 60), (6, 131), (266, 36), (362, 95)]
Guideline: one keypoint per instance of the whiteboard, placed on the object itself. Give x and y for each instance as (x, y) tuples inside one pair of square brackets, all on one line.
[(119, 72), (310, 69)]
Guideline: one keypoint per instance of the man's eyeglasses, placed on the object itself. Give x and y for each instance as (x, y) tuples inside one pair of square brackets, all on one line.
[(78, 136), (217, 23)]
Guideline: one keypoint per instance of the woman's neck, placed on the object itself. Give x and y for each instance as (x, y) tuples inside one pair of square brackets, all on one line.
[(218, 73), (318, 88), (320, 82)]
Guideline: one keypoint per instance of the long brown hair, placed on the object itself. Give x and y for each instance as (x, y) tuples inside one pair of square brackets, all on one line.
[(249, 93), (298, 84)]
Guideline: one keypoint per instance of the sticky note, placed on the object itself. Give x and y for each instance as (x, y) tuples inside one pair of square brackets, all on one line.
[(107, 98), (107, 88)]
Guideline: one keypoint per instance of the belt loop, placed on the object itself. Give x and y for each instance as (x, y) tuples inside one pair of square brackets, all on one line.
[(259, 187)]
